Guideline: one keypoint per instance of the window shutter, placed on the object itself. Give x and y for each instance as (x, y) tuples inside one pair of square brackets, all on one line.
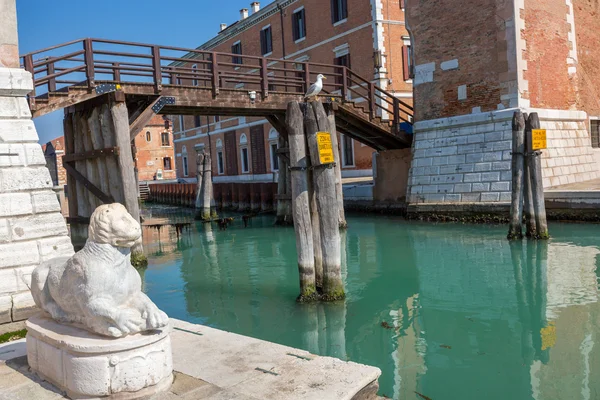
[(402, 4), (231, 165), (333, 13), (295, 26), (257, 147), (405, 63), (344, 10), (262, 41)]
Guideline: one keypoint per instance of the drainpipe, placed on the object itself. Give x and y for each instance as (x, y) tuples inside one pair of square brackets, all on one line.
[(282, 30)]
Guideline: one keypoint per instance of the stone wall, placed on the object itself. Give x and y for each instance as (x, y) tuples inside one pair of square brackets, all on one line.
[(468, 158), (32, 228)]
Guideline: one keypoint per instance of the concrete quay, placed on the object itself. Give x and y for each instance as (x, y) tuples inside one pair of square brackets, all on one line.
[(216, 365)]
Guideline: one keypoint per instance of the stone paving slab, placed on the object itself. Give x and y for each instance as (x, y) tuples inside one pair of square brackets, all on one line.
[(211, 364)]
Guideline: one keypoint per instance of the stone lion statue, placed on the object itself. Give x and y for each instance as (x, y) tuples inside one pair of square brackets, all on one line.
[(98, 288)]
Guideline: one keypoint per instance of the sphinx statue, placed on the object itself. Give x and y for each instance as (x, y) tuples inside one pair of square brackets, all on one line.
[(97, 288)]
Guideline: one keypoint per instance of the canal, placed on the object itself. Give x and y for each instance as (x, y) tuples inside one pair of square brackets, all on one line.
[(446, 311)]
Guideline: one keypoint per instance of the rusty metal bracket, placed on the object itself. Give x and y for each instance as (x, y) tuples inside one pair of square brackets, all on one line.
[(110, 151), (105, 198), (163, 101)]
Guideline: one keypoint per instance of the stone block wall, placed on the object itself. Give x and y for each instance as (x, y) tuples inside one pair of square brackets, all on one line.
[(468, 158), (32, 229)]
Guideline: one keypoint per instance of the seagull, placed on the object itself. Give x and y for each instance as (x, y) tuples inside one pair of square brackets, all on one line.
[(316, 87)]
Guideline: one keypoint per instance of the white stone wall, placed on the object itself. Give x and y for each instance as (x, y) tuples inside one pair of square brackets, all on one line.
[(32, 228), (468, 158)]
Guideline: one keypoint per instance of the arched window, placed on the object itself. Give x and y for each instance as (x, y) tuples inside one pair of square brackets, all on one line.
[(220, 157), (244, 156), (184, 157), (273, 146), (148, 136)]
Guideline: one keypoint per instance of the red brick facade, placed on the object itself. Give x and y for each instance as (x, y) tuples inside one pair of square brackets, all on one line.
[(371, 26), (154, 150)]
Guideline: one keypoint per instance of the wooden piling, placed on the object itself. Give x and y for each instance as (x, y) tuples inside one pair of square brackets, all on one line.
[(284, 204), (120, 117), (337, 167), (518, 152), (301, 202), (537, 185), (315, 120), (77, 230), (316, 223), (203, 192)]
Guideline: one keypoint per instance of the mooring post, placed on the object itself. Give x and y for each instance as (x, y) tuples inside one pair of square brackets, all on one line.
[(316, 223), (518, 152), (283, 186), (316, 121), (339, 190), (537, 185), (200, 182), (528, 210), (301, 202)]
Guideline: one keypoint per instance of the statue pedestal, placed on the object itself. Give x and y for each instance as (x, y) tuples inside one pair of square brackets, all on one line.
[(86, 366)]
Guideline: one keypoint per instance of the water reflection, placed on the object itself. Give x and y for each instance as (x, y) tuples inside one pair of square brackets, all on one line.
[(446, 311)]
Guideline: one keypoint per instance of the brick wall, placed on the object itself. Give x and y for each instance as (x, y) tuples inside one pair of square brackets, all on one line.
[(32, 229), (587, 32)]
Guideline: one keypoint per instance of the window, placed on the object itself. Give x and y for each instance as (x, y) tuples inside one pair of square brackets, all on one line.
[(197, 121), (595, 132), (220, 159), (236, 49), (167, 164), (342, 61), (181, 123), (299, 25), (273, 137), (339, 10), (347, 152), (194, 71), (164, 138), (184, 157), (148, 136), (244, 153), (167, 123), (217, 118), (407, 59), (266, 41)]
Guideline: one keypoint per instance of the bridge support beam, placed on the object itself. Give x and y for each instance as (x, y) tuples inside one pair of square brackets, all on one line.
[(99, 163)]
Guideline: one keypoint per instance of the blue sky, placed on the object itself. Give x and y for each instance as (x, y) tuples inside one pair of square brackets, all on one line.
[(184, 23)]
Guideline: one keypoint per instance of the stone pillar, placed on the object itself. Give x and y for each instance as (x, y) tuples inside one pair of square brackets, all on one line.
[(32, 228)]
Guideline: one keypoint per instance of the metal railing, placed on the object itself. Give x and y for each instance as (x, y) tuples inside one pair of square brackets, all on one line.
[(82, 63)]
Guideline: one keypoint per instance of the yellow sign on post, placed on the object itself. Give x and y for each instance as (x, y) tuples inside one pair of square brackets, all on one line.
[(538, 139), (325, 148)]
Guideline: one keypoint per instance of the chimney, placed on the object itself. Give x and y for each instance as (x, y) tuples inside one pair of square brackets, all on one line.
[(223, 27), (243, 14), (255, 7)]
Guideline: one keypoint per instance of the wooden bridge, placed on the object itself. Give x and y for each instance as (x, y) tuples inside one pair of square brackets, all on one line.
[(177, 81)]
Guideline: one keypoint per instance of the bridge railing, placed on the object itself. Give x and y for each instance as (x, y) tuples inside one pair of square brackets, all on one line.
[(88, 62)]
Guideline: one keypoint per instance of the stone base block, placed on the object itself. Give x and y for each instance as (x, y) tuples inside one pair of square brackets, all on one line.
[(88, 366)]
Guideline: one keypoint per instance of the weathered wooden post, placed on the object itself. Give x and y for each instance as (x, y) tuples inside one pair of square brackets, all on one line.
[(314, 216), (204, 199), (528, 210), (316, 126), (339, 190), (301, 202), (538, 142), (518, 165), (284, 204)]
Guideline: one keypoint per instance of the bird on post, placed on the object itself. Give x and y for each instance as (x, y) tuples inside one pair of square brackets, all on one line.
[(315, 88)]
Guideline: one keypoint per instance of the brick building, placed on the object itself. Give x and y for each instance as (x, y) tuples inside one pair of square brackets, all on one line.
[(471, 73), (154, 156), (368, 36), (53, 152)]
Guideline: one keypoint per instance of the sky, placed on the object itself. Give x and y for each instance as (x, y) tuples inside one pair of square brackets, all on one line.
[(182, 23)]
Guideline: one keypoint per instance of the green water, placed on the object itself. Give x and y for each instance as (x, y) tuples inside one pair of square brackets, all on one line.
[(465, 315)]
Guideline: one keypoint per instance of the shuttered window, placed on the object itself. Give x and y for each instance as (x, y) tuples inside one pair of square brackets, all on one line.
[(299, 25), (407, 65), (231, 165), (257, 147), (236, 49), (342, 61), (266, 41), (339, 10)]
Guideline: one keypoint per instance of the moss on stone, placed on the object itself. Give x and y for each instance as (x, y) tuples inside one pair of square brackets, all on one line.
[(139, 260), (308, 296), (334, 295), (10, 336)]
